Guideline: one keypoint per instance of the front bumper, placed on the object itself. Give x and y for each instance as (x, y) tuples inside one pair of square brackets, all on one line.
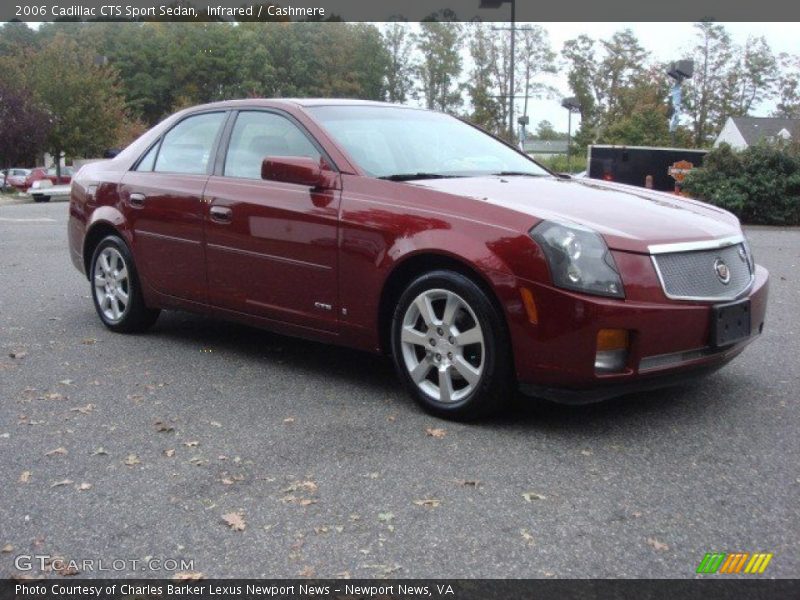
[(670, 343)]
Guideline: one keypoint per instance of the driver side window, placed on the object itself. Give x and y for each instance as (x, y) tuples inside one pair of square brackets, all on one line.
[(257, 135)]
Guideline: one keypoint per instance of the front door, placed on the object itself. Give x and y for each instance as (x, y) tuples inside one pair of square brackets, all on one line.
[(271, 247), (164, 205)]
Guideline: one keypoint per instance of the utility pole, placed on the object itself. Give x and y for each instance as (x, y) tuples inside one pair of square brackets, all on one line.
[(513, 28)]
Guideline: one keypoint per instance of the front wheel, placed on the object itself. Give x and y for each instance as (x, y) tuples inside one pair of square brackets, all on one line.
[(115, 288), (450, 347)]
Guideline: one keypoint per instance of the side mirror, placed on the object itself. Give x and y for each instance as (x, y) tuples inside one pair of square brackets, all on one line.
[(292, 169)]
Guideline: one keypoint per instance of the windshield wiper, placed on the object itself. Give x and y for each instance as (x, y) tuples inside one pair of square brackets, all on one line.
[(520, 173), (413, 176)]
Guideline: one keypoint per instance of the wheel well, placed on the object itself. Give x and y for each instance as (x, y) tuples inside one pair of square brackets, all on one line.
[(95, 235), (412, 268)]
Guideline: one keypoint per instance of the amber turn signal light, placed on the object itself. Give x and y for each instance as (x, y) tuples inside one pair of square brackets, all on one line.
[(530, 305), (612, 339)]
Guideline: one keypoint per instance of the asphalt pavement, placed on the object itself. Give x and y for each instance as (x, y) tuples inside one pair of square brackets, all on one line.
[(244, 453)]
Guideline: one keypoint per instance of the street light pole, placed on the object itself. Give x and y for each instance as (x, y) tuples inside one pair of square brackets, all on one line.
[(572, 105), (498, 4), (511, 84)]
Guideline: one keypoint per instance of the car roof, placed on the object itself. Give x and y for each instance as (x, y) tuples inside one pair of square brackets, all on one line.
[(303, 102)]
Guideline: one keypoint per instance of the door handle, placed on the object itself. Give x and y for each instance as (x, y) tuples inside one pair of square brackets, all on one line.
[(220, 214), (136, 199)]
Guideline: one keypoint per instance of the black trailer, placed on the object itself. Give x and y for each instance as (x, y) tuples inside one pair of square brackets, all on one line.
[(633, 164)]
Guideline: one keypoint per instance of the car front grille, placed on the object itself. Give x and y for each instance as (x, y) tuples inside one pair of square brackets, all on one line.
[(693, 275)]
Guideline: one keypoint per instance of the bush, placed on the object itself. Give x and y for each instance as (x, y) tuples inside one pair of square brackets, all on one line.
[(558, 163), (760, 185)]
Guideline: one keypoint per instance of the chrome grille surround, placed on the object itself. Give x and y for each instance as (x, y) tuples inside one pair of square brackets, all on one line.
[(687, 271)]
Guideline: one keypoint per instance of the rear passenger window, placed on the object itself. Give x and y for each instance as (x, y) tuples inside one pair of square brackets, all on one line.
[(187, 147), (257, 135), (146, 164)]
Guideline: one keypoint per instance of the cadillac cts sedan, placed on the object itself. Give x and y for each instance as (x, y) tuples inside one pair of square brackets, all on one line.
[(409, 232)]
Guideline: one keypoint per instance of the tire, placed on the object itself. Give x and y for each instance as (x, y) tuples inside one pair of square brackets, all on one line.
[(450, 347), (116, 292)]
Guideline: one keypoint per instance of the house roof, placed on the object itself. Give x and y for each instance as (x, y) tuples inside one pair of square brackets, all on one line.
[(545, 146), (754, 129)]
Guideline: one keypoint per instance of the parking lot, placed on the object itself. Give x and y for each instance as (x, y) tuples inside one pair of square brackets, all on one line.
[(130, 447)]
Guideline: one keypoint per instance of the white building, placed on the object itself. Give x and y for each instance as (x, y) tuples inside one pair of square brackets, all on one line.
[(741, 132)]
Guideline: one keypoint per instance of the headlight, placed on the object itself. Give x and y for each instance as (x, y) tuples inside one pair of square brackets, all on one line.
[(579, 259)]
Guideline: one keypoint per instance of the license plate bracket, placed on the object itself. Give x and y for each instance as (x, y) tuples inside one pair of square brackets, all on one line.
[(730, 323)]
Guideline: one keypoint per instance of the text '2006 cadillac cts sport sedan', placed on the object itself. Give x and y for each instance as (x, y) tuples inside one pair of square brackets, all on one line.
[(406, 231)]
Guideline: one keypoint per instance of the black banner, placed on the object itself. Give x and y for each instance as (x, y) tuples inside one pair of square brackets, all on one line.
[(68, 588), (408, 10)]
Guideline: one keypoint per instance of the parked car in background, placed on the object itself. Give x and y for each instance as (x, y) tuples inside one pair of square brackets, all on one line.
[(410, 232), (36, 174), (66, 175), (16, 177), (44, 191)]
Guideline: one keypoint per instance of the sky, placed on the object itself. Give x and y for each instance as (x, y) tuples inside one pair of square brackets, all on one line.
[(666, 42)]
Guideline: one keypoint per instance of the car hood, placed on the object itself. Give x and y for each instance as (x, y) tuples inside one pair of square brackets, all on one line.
[(628, 217)]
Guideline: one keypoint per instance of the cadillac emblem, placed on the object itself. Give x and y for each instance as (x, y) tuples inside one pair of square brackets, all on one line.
[(722, 271)]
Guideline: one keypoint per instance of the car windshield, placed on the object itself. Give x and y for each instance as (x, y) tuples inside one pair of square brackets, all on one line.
[(405, 143)]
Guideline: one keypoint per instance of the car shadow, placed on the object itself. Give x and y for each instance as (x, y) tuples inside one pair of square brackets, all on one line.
[(693, 400)]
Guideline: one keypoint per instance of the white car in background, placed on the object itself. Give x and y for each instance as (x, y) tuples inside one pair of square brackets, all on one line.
[(43, 190)]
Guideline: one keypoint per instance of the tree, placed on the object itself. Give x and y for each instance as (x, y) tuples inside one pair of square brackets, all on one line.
[(788, 87), (439, 44), (486, 110), (713, 59), (25, 124), (537, 58), (579, 56), (82, 99), (400, 71), (546, 132)]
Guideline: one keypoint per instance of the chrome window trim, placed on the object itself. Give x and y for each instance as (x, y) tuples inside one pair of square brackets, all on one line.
[(691, 246)]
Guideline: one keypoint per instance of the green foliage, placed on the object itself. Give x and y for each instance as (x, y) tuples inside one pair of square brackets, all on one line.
[(761, 185), (560, 164)]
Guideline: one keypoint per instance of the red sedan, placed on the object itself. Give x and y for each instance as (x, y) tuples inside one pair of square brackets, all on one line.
[(409, 232)]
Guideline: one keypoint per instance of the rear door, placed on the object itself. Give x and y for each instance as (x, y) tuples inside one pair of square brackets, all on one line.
[(163, 197)]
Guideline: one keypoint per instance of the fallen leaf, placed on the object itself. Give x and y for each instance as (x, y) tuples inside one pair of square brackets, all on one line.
[(83, 487), (215, 423), (320, 530), (161, 426), (531, 496), (436, 432), (169, 452), (25, 477), (84, 410), (53, 396), (659, 546), (60, 451), (306, 486), (192, 444), (429, 502), (18, 354), (343, 575), (132, 460), (188, 576), (385, 517), (526, 535), (587, 452), (307, 571), (66, 382), (100, 452), (469, 482), (235, 521), (88, 341), (306, 502), (391, 419), (7, 548), (289, 420), (60, 483)]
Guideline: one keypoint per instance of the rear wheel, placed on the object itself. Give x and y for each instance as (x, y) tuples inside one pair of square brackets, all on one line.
[(116, 291), (450, 348)]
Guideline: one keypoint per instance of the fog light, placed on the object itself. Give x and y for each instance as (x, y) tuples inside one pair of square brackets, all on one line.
[(612, 350)]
